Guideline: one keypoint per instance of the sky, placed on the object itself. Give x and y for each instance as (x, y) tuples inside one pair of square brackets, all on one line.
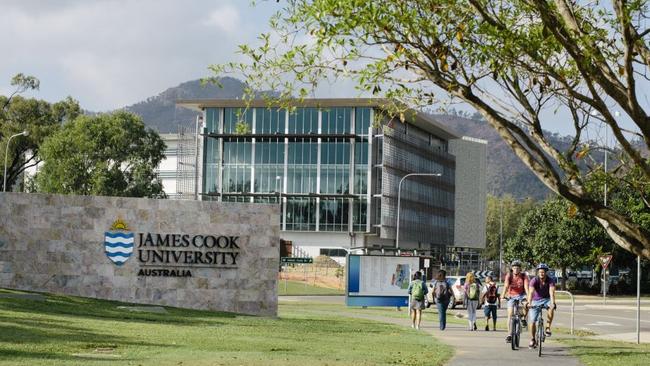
[(111, 53), (108, 54)]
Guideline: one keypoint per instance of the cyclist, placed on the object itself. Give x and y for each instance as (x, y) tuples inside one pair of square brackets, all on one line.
[(541, 290), (515, 288)]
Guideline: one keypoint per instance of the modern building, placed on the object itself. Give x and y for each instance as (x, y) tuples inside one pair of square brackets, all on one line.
[(334, 165)]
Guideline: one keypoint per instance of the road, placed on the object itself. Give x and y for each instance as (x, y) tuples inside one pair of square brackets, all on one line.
[(616, 319)]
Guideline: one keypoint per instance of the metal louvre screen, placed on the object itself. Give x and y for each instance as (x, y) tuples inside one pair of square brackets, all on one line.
[(186, 163), (427, 203)]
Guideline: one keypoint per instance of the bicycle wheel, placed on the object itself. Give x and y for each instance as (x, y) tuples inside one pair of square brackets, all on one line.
[(513, 333), (540, 335), (518, 333)]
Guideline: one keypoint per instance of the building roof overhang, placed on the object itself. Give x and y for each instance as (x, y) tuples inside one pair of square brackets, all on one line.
[(420, 120)]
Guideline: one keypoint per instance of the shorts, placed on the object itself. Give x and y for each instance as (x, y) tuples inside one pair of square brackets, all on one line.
[(535, 312), (511, 300), (417, 304), (490, 311)]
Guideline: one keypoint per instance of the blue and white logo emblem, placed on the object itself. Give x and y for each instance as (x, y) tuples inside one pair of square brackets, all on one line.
[(118, 242)]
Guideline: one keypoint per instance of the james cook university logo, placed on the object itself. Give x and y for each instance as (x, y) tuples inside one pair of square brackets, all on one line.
[(118, 242)]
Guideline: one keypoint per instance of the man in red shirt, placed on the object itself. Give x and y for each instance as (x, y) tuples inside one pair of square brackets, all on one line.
[(515, 288)]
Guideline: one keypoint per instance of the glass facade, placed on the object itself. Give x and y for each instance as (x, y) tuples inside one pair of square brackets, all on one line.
[(314, 161)]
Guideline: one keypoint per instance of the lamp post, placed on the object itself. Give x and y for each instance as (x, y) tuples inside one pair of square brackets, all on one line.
[(500, 239), (399, 198), (4, 176)]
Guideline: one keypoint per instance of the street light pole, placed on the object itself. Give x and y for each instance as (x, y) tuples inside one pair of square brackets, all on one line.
[(4, 176), (500, 238), (638, 299), (399, 198)]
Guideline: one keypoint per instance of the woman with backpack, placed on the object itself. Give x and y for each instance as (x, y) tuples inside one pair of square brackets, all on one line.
[(472, 293), (418, 291), (490, 299)]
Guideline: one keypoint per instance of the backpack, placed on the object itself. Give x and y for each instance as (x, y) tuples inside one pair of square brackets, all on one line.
[(491, 295), (441, 291), (473, 291), (417, 290)]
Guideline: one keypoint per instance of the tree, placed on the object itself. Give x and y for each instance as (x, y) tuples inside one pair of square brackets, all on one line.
[(507, 212), (108, 154), (556, 234), (38, 117), (516, 62)]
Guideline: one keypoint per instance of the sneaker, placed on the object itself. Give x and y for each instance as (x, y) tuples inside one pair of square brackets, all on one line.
[(532, 344), (475, 326), (524, 323), (508, 338), (487, 328), (417, 327), (548, 332)]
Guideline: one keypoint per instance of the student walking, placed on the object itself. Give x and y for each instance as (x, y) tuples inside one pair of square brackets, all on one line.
[(472, 292), (490, 298), (418, 291), (442, 294)]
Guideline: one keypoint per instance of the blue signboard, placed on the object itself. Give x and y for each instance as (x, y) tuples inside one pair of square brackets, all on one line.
[(378, 280)]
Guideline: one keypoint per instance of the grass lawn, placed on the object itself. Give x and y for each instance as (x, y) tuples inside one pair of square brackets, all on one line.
[(299, 288), (316, 306), (607, 353), (63, 330)]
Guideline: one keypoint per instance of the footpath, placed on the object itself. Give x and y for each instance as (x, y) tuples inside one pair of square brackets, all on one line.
[(481, 348)]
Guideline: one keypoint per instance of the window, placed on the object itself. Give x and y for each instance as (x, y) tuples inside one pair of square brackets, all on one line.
[(212, 119), (304, 121), (212, 158), (237, 165), (333, 214), (359, 217), (234, 115), (336, 120), (301, 214), (333, 252), (269, 120), (302, 167), (362, 121), (335, 166)]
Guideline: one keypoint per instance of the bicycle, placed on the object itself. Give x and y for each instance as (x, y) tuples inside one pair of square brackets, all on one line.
[(541, 332), (515, 326)]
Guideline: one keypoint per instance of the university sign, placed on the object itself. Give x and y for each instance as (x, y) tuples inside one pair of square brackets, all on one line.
[(170, 255), (189, 254)]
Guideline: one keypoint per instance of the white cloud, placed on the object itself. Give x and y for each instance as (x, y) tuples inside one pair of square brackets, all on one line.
[(224, 18), (111, 53)]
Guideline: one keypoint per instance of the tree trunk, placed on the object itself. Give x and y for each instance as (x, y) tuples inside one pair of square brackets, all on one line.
[(564, 277)]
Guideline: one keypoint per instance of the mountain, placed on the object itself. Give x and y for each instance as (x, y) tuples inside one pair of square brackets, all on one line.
[(163, 115), (506, 173)]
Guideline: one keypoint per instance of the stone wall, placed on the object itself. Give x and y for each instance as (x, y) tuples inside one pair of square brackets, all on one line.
[(56, 244)]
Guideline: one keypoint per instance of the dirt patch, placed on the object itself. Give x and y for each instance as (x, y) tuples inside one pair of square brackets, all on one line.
[(324, 272)]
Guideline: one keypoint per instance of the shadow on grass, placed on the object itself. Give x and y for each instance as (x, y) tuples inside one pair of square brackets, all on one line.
[(14, 355), (79, 307), (19, 331)]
